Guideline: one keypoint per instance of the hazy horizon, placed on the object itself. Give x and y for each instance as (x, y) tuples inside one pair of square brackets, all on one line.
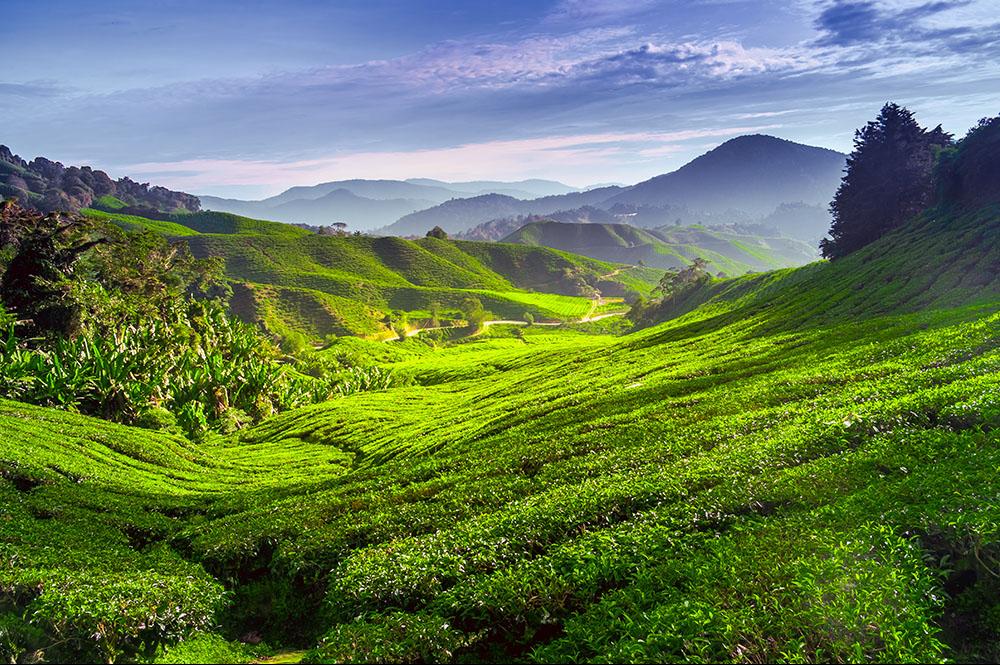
[(246, 101)]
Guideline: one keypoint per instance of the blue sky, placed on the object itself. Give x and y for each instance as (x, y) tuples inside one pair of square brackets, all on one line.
[(245, 99)]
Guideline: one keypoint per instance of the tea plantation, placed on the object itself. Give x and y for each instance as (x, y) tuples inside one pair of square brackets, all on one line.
[(292, 281), (799, 466)]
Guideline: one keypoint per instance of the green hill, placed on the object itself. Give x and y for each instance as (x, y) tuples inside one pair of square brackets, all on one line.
[(944, 258), (801, 469), (292, 280), (668, 247)]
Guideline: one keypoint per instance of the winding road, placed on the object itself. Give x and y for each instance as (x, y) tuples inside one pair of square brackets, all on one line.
[(588, 318)]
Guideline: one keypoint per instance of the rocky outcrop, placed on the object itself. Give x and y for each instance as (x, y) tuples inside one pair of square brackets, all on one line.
[(49, 186)]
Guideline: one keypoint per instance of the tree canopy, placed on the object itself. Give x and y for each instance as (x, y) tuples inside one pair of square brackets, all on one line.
[(889, 179)]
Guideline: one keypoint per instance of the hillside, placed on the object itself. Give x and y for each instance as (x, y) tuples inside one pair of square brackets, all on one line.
[(47, 185), (567, 496), (388, 274), (498, 229), (291, 280), (650, 217), (754, 174), (668, 247)]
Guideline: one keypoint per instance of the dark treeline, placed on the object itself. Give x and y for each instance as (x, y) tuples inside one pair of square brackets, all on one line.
[(898, 169)]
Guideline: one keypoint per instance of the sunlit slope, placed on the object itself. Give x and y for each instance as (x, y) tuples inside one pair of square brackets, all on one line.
[(723, 486), (193, 223), (394, 274), (668, 247), (88, 519), (941, 259)]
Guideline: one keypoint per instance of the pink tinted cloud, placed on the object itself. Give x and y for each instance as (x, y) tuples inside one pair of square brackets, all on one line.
[(571, 157)]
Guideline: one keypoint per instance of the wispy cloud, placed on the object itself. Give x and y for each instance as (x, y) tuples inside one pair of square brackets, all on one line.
[(597, 10)]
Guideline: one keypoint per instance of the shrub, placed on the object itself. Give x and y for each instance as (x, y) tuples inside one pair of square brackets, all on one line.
[(209, 648)]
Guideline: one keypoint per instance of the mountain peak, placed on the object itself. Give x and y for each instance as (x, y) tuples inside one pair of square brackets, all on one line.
[(755, 173), (766, 142)]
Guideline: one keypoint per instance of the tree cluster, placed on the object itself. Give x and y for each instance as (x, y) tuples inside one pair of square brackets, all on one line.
[(676, 282), (65, 272), (969, 173), (888, 180)]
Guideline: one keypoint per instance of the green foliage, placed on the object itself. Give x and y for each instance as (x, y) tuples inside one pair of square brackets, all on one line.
[(676, 283), (108, 202), (194, 361), (475, 315), (674, 287), (137, 334), (799, 467), (397, 638), (45, 252), (208, 648)]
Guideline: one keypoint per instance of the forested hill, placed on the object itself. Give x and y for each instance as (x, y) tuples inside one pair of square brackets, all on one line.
[(49, 186)]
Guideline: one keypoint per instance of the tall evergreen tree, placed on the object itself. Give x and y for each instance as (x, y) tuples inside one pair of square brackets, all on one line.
[(889, 179)]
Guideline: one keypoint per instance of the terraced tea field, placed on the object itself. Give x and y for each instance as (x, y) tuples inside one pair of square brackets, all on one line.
[(294, 282), (801, 467)]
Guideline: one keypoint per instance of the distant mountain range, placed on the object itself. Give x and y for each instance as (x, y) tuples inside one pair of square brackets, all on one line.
[(336, 205), (368, 204), (743, 180), (730, 250), (750, 179), (459, 215)]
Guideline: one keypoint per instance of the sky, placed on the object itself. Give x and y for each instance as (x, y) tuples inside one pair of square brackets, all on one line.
[(245, 99)]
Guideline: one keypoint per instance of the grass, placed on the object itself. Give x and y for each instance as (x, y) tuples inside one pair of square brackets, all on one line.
[(562, 307), (801, 468)]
